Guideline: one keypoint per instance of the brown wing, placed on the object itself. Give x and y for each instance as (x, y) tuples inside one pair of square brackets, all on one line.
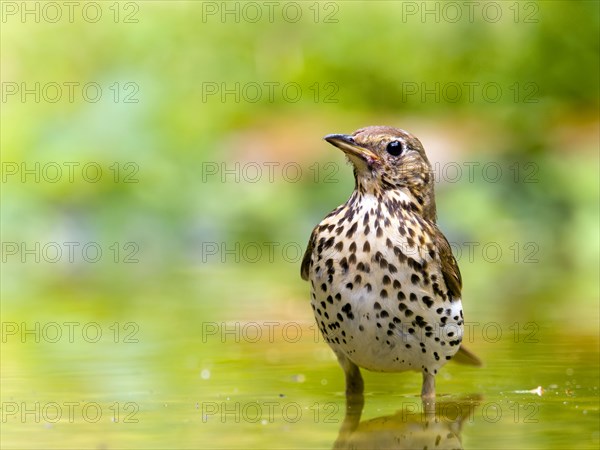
[(453, 280), (450, 269), (307, 255)]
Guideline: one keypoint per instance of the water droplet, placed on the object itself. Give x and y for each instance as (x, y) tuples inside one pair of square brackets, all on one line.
[(205, 374), (300, 378)]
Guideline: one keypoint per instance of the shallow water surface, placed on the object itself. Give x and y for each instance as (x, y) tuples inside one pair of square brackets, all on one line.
[(180, 376)]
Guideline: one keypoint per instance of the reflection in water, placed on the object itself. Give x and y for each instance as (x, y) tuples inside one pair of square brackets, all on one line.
[(417, 425)]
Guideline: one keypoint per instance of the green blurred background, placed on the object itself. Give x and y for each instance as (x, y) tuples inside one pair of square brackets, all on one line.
[(206, 120)]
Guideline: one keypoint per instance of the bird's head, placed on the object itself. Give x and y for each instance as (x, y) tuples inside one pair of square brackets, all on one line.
[(388, 160)]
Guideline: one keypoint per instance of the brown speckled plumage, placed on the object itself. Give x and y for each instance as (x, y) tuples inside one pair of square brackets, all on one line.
[(385, 287)]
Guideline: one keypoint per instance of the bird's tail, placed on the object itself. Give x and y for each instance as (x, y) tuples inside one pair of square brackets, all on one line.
[(464, 356)]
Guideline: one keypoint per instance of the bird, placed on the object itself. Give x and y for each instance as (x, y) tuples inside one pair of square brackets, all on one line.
[(385, 286)]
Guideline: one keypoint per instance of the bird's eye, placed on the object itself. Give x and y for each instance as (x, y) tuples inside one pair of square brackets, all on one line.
[(394, 148)]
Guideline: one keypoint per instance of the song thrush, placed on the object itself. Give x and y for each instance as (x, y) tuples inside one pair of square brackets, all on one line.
[(385, 287)]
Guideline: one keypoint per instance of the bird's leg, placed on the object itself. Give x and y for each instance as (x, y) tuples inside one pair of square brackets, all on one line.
[(428, 396), (355, 400), (428, 389), (354, 381)]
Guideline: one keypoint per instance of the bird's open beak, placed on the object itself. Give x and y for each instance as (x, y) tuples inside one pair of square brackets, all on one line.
[(346, 143)]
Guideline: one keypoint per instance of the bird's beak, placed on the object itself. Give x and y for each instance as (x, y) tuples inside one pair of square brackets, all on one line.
[(355, 152)]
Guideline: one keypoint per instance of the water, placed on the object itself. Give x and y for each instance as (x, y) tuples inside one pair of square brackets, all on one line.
[(194, 362)]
